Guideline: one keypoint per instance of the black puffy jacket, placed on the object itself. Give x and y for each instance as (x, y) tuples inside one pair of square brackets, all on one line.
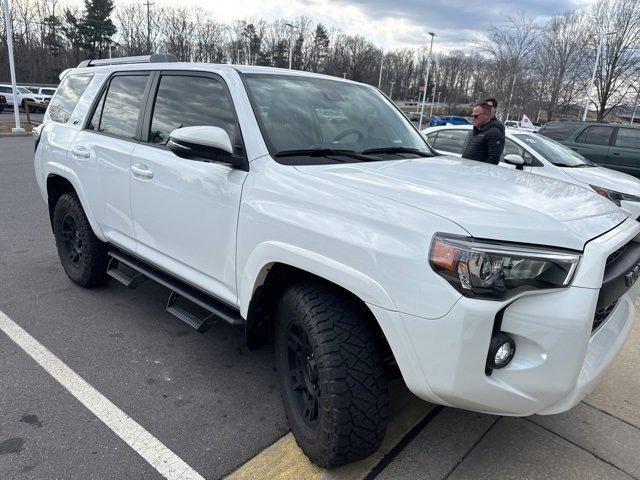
[(485, 144)]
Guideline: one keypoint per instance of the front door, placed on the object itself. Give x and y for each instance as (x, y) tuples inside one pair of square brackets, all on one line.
[(593, 143), (185, 211)]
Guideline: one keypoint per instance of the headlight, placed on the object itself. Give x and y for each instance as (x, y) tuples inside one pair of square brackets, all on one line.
[(498, 271), (615, 197)]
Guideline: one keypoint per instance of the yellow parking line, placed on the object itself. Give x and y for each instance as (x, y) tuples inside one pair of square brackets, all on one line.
[(284, 460)]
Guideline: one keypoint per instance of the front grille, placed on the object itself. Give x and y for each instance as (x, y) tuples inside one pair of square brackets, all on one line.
[(615, 255), (602, 314)]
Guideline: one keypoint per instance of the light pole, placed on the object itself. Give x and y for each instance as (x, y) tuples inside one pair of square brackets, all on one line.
[(433, 98), (380, 76), (513, 84), (438, 102), (426, 82), (391, 90), (291, 27), (593, 75), (12, 68), (635, 104)]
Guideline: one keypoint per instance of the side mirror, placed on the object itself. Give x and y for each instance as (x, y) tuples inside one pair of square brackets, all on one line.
[(205, 143), (514, 159)]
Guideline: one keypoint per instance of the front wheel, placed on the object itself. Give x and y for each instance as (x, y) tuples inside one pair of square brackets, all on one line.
[(331, 375), (83, 256)]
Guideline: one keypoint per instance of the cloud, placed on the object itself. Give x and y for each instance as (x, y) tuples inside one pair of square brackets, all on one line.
[(394, 24)]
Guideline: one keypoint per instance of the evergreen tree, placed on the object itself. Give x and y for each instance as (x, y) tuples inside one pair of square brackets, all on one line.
[(96, 27)]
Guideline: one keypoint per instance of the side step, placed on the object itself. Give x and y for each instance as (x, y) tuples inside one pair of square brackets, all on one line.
[(189, 304)]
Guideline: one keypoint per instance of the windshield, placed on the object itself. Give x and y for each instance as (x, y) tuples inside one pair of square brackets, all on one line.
[(305, 113), (554, 152), (23, 90)]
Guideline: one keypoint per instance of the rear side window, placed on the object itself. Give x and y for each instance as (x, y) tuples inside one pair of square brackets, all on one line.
[(628, 137), (558, 131), (184, 101), (451, 140), (69, 93), (596, 135), (118, 110)]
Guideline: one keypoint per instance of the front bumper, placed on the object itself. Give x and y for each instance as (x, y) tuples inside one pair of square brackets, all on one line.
[(560, 357)]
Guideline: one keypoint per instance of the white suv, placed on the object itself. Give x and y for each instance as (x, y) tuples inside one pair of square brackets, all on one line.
[(308, 210), (24, 95)]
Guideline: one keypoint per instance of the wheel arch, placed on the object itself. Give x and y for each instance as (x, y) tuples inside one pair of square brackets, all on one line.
[(58, 185)]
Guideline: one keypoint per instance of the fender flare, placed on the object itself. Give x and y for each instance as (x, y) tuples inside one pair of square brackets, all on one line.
[(54, 168), (271, 252)]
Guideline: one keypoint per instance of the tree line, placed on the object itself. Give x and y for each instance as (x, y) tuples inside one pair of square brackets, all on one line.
[(541, 69)]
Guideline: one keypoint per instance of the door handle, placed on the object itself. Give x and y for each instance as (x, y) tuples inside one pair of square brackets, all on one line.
[(80, 151), (616, 154), (142, 171)]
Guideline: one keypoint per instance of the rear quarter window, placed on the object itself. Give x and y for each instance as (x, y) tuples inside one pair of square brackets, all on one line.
[(67, 97)]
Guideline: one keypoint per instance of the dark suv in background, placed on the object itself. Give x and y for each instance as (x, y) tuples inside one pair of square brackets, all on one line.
[(611, 145)]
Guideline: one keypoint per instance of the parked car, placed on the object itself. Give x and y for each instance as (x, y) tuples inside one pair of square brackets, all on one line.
[(356, 250), (24, 95), (414, 117), (520, 126), (611, 145), (546, 157), (46, 93), (3, 103), (454, 120)]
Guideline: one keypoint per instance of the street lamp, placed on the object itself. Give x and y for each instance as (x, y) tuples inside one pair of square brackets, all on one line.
[(593, 75), (291, 27), (381, 66), (426, 83)]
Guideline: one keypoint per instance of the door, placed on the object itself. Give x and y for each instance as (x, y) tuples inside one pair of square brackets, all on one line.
[(593, 143), (101, 153), (185, 211), (624, 154)]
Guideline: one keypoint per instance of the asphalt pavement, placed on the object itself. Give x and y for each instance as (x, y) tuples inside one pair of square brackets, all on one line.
[(216, 405)]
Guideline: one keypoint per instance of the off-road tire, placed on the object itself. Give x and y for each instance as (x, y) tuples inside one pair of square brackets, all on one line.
[(353, 405), (89, 266)]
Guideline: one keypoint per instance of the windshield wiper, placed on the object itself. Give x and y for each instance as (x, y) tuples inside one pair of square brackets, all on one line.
[(415, 151), (324, 152)]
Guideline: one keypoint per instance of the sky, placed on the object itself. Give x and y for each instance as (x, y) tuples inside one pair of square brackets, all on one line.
[(394, 24)]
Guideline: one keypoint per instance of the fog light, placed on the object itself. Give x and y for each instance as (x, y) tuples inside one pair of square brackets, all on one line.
[(501, 351)]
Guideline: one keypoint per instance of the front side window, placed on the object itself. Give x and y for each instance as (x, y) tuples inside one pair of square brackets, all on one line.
[(117, 112), (628, 137), (596, 135), (69, 93), (309, 113), (184, 101)]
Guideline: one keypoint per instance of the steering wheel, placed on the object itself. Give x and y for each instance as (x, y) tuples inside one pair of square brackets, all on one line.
[(346, 133)]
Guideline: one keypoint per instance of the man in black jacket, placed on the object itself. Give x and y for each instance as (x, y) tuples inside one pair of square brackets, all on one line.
[(485, 142), (493, 103)]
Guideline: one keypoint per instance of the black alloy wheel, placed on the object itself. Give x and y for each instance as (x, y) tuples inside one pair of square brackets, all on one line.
[(303, 374), (71, 240)]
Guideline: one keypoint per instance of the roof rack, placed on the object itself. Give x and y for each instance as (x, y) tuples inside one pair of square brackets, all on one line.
[(153, 58)]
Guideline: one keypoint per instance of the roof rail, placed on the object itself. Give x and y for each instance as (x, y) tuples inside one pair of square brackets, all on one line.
[(153, 58)]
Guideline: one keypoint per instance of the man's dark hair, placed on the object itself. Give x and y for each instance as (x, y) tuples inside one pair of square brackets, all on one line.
[(492, 101), (484, 106)]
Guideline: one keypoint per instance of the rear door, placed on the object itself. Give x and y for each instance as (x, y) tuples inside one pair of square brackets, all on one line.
[(624, 154), (186, 210), (593, 143), (101, 153), (449, 141)]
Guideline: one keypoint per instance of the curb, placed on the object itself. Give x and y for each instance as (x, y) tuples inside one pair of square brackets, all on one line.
[(16, 135)]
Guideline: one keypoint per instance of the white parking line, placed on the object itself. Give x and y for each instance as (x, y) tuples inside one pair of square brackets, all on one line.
[(167, 463)]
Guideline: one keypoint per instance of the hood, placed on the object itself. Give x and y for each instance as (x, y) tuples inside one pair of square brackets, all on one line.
[(606, 178), (488, 201)]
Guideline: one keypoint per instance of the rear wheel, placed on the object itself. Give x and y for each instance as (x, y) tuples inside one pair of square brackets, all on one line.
[(83, 256), (331, 375)]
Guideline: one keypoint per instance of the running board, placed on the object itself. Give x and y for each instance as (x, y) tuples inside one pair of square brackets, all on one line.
[(182, 294)]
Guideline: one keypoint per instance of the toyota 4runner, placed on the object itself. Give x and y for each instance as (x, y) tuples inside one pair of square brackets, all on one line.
[(309, 211)]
